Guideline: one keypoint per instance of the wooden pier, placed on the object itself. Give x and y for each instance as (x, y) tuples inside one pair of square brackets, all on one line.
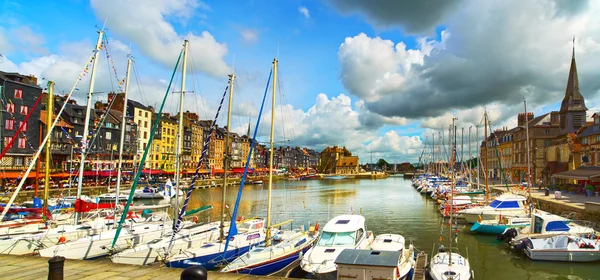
[(421, 266), (33, 267)]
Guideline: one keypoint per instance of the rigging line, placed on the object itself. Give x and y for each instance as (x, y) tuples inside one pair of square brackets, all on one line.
[(205, 149), (47, 137), (140, 88), (144, 155), (196, 80)]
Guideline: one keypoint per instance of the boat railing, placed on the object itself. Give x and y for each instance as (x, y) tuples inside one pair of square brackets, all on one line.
[(568, 215)]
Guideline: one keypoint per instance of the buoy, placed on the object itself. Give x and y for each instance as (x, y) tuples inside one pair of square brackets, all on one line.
[(62, 239), (195, 219)]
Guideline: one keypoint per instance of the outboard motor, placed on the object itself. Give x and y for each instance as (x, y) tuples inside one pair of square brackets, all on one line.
[(521, 246), (508, 234)]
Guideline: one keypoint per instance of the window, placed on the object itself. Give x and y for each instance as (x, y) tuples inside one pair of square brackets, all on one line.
[(10, 124), (18, 93), (145, 135), (108, 135), (140, 113), (22, 143), (18, 161), (547, 131), (146, 124), (10, 108), (7, 141), (24, 110), (24, 126), (139, 123)]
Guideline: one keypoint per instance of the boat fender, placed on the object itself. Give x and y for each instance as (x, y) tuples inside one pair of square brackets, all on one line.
[(62, 239), (195, 219), (479, 218), (316, 226)]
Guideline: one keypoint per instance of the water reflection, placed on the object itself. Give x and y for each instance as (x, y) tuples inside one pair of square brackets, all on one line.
[(389, 206)]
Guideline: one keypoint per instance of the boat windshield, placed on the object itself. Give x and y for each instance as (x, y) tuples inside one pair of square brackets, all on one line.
[(504, 204), (337, 238)]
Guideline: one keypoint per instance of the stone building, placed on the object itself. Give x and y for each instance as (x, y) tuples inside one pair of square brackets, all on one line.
[(335, 160)]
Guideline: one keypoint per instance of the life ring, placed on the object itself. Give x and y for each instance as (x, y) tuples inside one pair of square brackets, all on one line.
[(195, 219)]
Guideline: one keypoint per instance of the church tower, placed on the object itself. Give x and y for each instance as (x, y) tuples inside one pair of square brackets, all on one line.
[(572, 109)]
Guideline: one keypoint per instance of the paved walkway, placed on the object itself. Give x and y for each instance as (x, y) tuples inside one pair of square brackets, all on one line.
[(33, 267)]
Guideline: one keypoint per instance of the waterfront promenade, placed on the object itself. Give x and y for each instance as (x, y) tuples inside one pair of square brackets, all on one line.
[(33, 267)]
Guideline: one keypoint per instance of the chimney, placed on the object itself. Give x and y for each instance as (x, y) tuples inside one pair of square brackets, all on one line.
[(524, 118), (33, 79)]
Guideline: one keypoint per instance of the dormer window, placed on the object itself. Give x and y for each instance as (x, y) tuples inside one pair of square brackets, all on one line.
[(597, 120)]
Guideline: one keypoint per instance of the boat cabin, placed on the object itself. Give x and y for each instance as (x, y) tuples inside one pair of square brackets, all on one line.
[(543, 223), (344, 230), (251, 225), (508, 202), (367, 264)]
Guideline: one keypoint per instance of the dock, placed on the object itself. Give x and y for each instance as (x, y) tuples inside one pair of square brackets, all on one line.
[(34, 267), (420, 266)]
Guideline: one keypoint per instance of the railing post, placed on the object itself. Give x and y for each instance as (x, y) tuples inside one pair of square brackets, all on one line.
[(55, 268), (195, 272)]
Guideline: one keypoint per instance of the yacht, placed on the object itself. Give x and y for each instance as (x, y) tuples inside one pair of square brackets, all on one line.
[(396, 242), (447, 265), (505, 205), (341, 232), (563, 248)]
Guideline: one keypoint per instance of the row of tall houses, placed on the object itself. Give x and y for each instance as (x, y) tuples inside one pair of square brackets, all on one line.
[(19, 95), (558, 141)]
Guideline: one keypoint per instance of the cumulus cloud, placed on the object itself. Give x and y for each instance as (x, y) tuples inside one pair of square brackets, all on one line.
[(507, 55), (413, 16), (150, 29), (304, 11)]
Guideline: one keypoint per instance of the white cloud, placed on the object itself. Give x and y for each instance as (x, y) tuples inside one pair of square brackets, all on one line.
[(249, 36), (490, 63), (150, 29), (304, 11)]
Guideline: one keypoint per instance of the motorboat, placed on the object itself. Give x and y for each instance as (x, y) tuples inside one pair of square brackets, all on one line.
[(505, 205), (563, 248), (449, 264), (396, 242), (209, 255), (287, 247), (544, 225), (188, 237), (341, 232), (370, 264), (500, 226)]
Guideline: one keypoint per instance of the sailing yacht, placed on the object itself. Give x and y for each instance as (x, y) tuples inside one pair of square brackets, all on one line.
[(449, 263), (286, 246)]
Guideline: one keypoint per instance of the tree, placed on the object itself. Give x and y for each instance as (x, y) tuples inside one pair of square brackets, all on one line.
[(382, 164)]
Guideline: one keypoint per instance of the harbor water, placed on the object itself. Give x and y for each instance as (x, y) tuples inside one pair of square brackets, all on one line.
[(389, 205)]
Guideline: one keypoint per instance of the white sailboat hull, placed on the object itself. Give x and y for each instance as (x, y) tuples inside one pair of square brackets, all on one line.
[(151, 252), (98, 245), (441, 270)]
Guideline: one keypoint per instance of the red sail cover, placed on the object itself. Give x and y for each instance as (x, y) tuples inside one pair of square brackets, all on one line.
[(84, 206)]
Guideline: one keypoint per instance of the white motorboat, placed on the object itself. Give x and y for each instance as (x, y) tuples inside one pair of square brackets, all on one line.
[(396, 242), (250, 233), (98, 245), (112, 196), (505, 205), (544, 225), (341, 232), (447, 265), (150, 252), (287, 247), (563, 248)]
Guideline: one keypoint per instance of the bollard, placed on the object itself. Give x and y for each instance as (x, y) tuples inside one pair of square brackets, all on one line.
[(195, 272), (55, 268)]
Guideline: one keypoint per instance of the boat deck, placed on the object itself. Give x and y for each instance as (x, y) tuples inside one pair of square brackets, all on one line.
[(420, 266), (33, 267)]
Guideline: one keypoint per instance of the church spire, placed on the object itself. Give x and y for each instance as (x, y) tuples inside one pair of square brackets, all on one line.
[(573, 100)]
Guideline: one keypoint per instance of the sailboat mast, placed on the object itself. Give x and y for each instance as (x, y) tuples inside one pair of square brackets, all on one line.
[(478, 155), (226, 159), (453, 161), (272, 149), (49, 120), (487, 191), (86, 126), (470, 155), (433, 153), (122, 139), (528, 153), (179, 147)]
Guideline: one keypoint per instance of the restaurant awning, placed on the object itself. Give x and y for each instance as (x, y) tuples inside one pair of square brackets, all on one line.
[(581, 173), (17, 174)]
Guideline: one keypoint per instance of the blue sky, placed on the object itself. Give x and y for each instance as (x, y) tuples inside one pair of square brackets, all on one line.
[(372, 77)]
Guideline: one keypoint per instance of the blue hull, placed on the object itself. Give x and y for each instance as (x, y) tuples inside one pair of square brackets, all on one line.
[(273, 266), (490, 229), (210, 261)]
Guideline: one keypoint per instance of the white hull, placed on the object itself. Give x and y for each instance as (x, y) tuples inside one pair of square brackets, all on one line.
[(151, 252), (441, 270), (582, 255), (473, 216), (98, 245)]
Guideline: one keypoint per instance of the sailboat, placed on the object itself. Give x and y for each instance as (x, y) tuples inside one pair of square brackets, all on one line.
[(447, 264), (241, 237), (286, 246)]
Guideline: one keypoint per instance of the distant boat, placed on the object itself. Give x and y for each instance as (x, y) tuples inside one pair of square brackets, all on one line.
[(335, 177), (257, 182), (498, 227)]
